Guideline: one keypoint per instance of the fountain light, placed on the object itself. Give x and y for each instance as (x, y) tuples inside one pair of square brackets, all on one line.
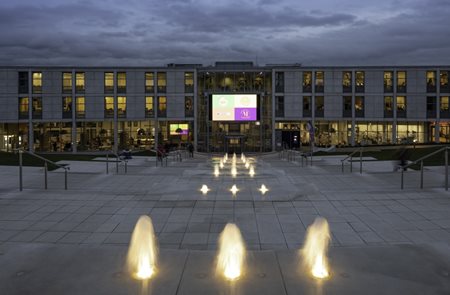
[(141, 258), (234, 189), (216, 170), (315, 250), (231, 252), (263, 189), (247, 165), (233, 171), (204, 189), (252, 171), (221, 164)]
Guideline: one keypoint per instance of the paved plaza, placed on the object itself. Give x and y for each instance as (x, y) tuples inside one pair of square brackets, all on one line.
[(382, 237)]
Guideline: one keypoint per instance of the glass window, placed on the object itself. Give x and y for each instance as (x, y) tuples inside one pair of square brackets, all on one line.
[(162, 82), (37, 82), (347, 106), (23, 82), (149, 110), (388, 106), (444, 107), (109, 82), (401, 106), (149, 82), (444, 81), (189, 82), (79, 82), (320, 106), (279, 81), (121, 82), (401, 81), (67, 83), (319, 82), (80, 110), (347, 81), (162, 106), (389, 82), (279, 106), (37, 108), (307, 82), (359, 106), (431, 107), (67, 107), (109, 107), (122, 106), (431, 81), (23, 107), (360, 81), (307, 108), (189, 106)]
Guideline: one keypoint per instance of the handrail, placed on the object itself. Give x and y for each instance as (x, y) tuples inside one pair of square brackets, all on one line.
[(420, 160), (21, 151), (117, 161), (360, 150)]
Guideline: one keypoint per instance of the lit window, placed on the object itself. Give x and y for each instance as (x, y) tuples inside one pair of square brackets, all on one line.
[(149, 82), (388, 106), (80, 107), (444, 104), (149, 111), (444, 81), (109, 107), (319, 81), (307, 82), (431, 81), (37, 82), (359, 106), (162, 106), (121, 106), (401, 81), (162, 82), (109, 82), (359, 81), (79, 82), (347, 81), (121, 82), (388, 82), (67, 107), (401, 106), (67, 83), (23, 107), (188, 82), (189, 106)]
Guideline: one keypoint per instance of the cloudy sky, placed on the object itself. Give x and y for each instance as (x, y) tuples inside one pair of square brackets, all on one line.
[(157, 32)]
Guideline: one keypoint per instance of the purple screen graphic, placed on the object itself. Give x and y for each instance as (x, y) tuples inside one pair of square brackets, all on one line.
[(245, 114)]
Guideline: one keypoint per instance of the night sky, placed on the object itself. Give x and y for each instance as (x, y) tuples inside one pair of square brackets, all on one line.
[(138, 32)]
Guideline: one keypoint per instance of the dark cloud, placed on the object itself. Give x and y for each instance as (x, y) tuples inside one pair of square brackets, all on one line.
[(134, 32)]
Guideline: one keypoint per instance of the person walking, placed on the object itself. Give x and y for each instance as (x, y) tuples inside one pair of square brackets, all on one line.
[(191, 150)]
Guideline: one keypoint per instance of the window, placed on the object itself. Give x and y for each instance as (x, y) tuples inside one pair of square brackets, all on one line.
[(444, 107), (279, 106), (109, 107), (388, 106), (347, 107), (149, 83), (359, 81), (23, 82), (307, 108), (121, 82), (431, 107), (401, 81), (80, 111), (388, 82), (279, 82), (149, 111), (189, 106), (319, 82), (37, 108), (307, 82), (431, 81), (320, 106), (401, 106), (79, 82), (37, 82), (359, 106), (23, 107), (67, 83), (189, 82), (162, 106), (121, 106), (444, 81), (347, 81), (162, 82), (109, 82), (67, 107)]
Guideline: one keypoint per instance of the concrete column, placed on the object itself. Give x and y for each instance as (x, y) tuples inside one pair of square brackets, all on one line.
[(30, 112), (437, 137), (74, 120), (273, 109), (115, 120), (394, 120), (194, 131), (353, 136), (156, 108)]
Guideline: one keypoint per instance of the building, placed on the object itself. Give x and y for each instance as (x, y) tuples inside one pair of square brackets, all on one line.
[(103, 108)]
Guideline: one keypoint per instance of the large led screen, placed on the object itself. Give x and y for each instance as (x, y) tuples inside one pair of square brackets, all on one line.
[(182, 129), (234, 107)]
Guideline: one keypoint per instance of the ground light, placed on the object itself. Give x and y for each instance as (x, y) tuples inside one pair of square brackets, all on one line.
[(204, 189), (263, 189), (234, 189)]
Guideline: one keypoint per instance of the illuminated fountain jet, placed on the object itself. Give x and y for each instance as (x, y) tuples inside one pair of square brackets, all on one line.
[(263, 189), (221, 163), (251, 171), (231, 253), (234, 189), (315, 250), (216, 170), (247, 165), (204, 189)]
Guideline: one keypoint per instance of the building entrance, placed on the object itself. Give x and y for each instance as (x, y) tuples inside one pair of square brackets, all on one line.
[(234, 144)]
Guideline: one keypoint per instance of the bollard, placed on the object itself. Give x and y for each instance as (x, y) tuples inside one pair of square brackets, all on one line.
[(45, 175)]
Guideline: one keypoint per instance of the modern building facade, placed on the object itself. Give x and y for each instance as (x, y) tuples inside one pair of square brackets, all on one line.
[(102, 108)]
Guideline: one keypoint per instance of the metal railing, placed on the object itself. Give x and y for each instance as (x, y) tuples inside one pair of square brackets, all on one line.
[(293, 155), (420, 160), (117, 161), (360, 151), (46, 161)]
